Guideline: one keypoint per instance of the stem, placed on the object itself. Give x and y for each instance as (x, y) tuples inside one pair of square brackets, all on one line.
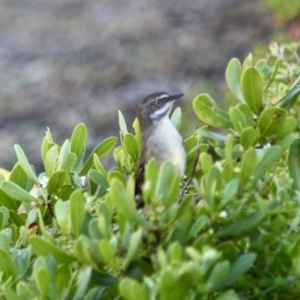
[(191, 174)]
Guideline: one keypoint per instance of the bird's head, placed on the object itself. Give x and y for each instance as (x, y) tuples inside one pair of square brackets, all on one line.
[(155, 106)]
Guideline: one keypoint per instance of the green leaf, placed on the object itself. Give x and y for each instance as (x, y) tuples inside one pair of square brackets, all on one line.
[(198, 225), (25, 164), (167, 186), (294, 163), (288, 127), (273, 76), (122, 124), (63, 279), (69, 162), (268, 159), (248, 61), (7, 267), (238, 119), (18, 176), (125, 203), (206, 162), (290, 98), (238, 269), (56, 181), (131, 146), (43, 281), (10, 294), (252, 87), (230, 191), (176, 118), (233, 74), (116, 174), (218, 138), (106, 251), (101, 150), (99, 167), (78, 139), (7, 201), (16, 219), (17, 193), (43, 247), (96, 177), (51, 160), (228, 295), (219, 274), (208, 112), (151, 175), (133, 248), (248, 114), (132, 290), (249, 137), (4, 242), (77, 212), (261, 65), (242, 226), (248, 165), (271, 121), (137, 130)]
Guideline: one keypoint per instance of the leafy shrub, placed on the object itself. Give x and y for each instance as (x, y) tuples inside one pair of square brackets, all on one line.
[(229, 230)]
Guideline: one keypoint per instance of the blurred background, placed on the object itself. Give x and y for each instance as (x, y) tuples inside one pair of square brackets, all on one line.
[(63, 62)]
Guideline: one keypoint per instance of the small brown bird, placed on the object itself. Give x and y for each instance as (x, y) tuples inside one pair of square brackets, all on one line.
[(160, 139)]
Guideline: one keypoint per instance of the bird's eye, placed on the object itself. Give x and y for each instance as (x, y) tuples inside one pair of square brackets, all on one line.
[(158, 102)]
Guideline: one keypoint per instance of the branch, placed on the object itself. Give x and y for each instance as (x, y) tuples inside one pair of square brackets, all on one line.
[(191, 174)]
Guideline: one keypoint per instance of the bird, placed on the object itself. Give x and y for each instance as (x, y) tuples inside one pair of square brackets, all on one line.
[(159, 137)]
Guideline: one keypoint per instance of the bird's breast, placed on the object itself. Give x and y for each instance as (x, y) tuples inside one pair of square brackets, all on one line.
[(165, 144)]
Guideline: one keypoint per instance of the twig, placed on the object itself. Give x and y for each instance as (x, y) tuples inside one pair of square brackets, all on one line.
[(191, 174)]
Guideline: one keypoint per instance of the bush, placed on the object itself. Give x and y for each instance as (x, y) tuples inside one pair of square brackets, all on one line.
[(229, 230)]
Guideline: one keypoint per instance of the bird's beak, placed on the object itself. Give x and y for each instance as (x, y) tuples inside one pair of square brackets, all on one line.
[(175, 96)]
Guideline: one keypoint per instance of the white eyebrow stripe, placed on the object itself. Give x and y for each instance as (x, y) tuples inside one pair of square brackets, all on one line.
[(162, 96), (160, 112)]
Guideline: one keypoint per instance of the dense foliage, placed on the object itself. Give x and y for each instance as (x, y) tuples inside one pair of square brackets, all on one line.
[(229, 230)]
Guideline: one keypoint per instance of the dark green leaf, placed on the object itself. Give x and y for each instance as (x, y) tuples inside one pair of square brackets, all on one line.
[(219, 274), (238, 269), (242, 226)]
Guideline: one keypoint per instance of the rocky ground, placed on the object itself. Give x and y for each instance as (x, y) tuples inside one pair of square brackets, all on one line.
[(68, 61)]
